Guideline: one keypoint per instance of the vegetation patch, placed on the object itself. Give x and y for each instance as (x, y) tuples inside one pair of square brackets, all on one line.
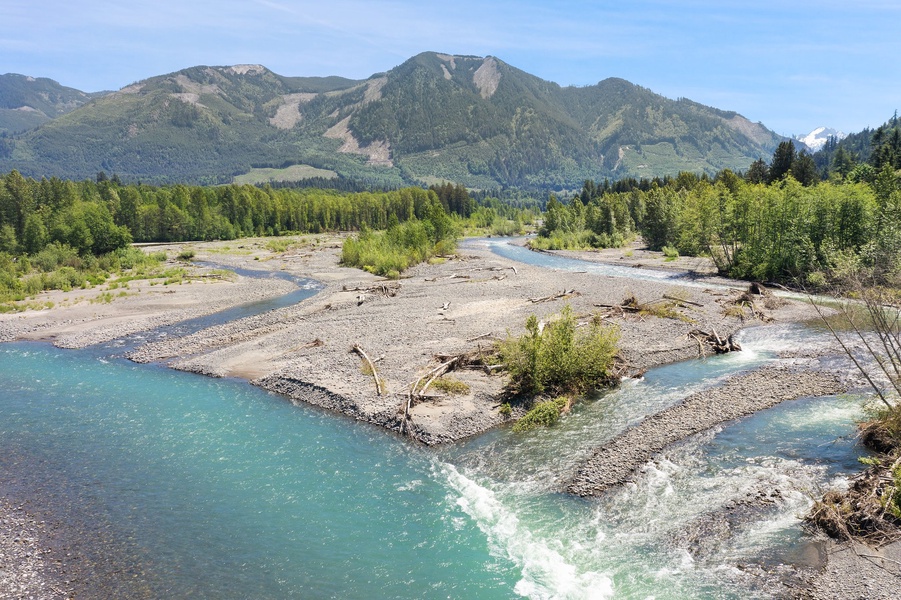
[(451, 386), (403, 245), (543, 414), (292, 173), (560, 358), (279, 245), (60, 267)]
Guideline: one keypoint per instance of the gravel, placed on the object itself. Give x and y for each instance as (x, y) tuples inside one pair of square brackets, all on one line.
[(617, 461)]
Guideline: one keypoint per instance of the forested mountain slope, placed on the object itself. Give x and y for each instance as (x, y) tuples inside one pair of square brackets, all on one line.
[(478, 121)]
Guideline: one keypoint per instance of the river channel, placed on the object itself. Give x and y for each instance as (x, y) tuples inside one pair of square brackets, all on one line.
[(213, 488)]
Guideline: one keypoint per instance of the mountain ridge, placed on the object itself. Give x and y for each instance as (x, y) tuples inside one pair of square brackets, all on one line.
[(469, 119)]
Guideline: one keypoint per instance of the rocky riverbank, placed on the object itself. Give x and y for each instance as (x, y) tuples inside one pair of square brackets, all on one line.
[(616, 461), (461, 305)]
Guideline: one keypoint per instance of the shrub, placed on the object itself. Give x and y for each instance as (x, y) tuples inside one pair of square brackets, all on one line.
[(391, 252), (543, 414), (559, 358), (670, 253), (54, 256), (278, 245)]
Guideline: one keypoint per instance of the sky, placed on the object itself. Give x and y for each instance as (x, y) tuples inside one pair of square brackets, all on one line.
[(792, 65)]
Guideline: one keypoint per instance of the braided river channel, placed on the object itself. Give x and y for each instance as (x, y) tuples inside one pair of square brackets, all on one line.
[(186, 486)]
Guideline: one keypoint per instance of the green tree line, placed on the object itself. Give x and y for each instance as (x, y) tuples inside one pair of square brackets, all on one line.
[(776, 231), (95, 217)]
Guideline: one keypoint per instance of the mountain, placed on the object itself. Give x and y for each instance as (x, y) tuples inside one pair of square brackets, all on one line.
[(869, 146), (817, 138), (473, 120), (27, 102)]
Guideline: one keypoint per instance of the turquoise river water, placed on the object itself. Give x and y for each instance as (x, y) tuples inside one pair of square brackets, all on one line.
[(214, 488)]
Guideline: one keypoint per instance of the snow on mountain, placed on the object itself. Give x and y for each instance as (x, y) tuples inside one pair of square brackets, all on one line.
[(817, 138)]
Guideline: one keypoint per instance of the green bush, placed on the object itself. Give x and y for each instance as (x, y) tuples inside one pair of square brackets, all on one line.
[(560, 358), (543, 414), (403, 245), (54, 256)]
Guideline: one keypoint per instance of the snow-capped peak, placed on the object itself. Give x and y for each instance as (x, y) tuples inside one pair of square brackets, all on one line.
[(817, 138)]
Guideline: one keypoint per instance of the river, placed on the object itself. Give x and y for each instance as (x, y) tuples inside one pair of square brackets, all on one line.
[(214, 488)]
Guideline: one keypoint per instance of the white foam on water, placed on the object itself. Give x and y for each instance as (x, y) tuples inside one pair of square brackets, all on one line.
[(546, 573)]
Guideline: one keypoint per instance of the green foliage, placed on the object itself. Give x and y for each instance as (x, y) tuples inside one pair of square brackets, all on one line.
[(592, 220), (559, 358), (186, 255), (891, 498), (670, 253), (96, 218), (451, 386), (279, 245), (59, 267), (403, 245), (543, 414), (780, 232)]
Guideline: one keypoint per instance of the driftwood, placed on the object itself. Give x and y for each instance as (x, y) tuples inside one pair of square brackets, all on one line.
[(418, 390), (314, 344), (622, 308), (681, 300), (375, 374), (714, 341), (557, 296), (480, 337), (474, 359), (452, 276), (388, 290)]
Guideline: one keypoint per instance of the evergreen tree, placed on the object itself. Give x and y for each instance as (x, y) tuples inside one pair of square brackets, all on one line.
[(804, 169), (758, 172), (783, 159), (842, 162)]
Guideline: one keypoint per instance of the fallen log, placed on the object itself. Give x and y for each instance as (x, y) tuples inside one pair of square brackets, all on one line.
[(557, 296), (375, 374), (417, 392), (480, 337), (389, 290), (453, 276), (682, 300)]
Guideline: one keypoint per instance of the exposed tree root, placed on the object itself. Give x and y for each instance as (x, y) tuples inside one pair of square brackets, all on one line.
[(713, 341), (868, 512)]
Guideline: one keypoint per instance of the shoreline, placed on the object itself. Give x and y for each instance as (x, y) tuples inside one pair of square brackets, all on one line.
[(303, 351)]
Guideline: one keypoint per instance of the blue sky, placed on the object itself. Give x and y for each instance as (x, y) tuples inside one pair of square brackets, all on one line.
[(792, 65)]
